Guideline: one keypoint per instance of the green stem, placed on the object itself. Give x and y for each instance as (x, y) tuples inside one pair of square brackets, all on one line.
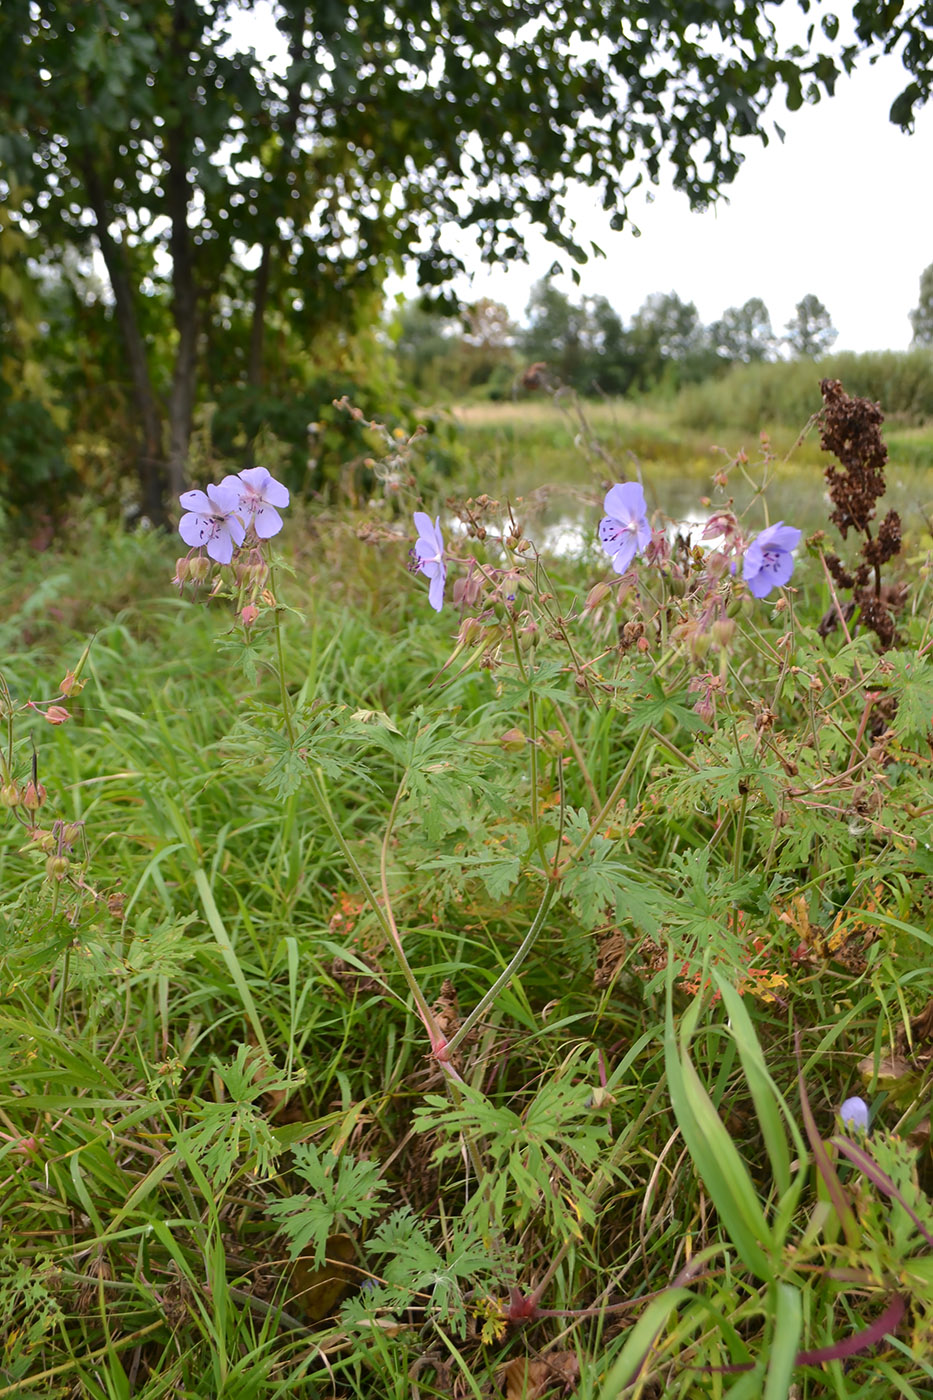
[(63, 991), (613, 797), (739, 837), (506, 975), (280, 658), (385, 923)]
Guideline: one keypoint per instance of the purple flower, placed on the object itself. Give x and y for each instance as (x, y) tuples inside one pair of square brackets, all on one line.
[(769, 560), (854, 1114), (624, 530), (212, 521), (258, 493), (429, 552)]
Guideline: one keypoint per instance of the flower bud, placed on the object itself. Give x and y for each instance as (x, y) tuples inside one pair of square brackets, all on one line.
[(528, 636), (513, 741), (71, 832), (596, 595), (10, 795), (700, 644), (525, 583), (182, 568), (56, 714), (41, 840), (71, 685), (467, 591), (471, 631), (553, 742), (723, 630), (198, 568), (249, 614), (854, 1114), (56, 867), (34, 795)]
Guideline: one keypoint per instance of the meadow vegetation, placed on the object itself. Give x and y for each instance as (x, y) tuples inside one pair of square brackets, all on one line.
[(400, 1003)]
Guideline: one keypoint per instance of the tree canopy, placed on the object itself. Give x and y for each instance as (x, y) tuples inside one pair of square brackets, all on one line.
[(239, 206), (810, 331)]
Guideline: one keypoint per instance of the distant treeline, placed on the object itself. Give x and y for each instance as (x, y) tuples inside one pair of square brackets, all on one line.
[(586, 346)]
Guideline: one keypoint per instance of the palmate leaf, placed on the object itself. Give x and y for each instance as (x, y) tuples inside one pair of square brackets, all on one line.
[(599, 878), (323, 742), (655, 708), (911, 683), (345, 1190), (499, 871)]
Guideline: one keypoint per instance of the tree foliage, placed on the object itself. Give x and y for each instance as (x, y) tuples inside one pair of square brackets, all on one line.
[(744, 333), (810, 331), (921, 318), (244, 204)]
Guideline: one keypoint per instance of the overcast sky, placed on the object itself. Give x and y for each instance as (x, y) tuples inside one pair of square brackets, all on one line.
[(843, 209)]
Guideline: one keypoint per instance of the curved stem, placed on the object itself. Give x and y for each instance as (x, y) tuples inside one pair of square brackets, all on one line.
[(385, 922), (613, 797), (506, 975)]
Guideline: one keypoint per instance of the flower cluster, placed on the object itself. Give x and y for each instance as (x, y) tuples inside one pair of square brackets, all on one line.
[(625, 532), (219, 518)]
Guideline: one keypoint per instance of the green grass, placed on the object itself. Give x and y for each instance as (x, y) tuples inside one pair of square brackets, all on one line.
[(210, 1055)]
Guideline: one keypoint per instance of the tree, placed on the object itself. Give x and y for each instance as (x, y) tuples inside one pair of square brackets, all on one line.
[(744, 333), (244, 196), (921, 318), (557, 333), (810, 332), (668, 336)]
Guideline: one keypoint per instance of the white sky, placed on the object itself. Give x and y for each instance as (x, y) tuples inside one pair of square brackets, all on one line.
[(843, 209)]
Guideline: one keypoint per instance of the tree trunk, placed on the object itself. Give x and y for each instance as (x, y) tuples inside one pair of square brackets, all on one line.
[(150, 462), (178, 150), (184, 312), (286, 162), (258, 323)]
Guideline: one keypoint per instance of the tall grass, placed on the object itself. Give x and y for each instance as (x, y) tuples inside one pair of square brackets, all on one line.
[(229, 1165), (762, 396)]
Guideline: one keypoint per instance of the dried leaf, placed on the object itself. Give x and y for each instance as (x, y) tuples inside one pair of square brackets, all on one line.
[(317, 1293)]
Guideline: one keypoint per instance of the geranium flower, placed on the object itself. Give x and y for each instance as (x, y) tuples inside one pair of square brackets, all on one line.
[(258, 494), (854, 1114), (212, 521), (429, 553), (624, 530), (769, 559)]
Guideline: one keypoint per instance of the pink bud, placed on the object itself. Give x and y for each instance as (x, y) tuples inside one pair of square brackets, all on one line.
[(249, 614), (57, 714), (71, 685), (33, 796)]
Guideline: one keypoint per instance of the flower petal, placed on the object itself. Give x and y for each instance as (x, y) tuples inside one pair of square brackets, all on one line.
[(196, 501), (224, 499), (854, 1114), (266, 522), (625, 553), (194, 529), (436, 591), (220, 546), (625, 501)]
